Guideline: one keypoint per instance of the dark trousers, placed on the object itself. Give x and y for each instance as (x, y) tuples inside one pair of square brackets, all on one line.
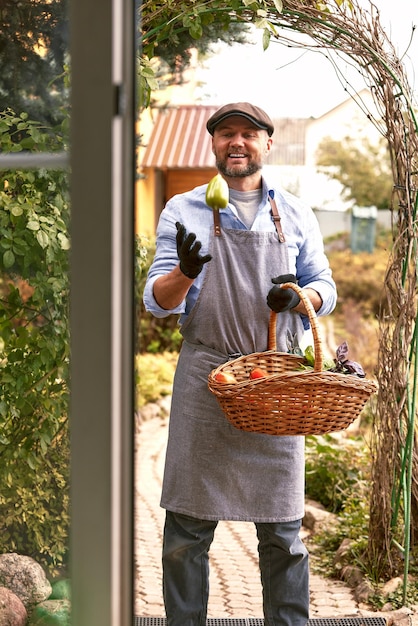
[(283, 561)]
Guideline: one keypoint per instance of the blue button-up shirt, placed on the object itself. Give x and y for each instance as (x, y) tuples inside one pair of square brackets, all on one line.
[(307, 259)]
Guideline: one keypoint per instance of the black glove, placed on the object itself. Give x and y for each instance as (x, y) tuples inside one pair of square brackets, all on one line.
[(279, 299), (191, 262)]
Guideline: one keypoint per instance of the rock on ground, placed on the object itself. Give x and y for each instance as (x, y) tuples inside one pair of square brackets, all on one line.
[(25, 578), (12, 609), (51, 612)]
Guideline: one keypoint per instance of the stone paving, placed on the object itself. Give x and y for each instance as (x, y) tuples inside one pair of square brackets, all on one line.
[(235, 589)]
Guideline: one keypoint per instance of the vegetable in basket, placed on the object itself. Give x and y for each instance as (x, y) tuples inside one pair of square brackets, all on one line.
[(343, 365), (257, 372), (226, 378)]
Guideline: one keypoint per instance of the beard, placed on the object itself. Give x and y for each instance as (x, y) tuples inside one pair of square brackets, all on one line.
[(238, 171)]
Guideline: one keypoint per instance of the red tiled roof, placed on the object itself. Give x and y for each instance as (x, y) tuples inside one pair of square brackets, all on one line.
[(180, 139)]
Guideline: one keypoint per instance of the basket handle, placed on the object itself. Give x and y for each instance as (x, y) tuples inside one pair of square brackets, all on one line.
[(272, 343)]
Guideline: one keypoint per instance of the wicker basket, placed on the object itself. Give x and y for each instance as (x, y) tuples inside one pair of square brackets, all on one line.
[(289, 401)]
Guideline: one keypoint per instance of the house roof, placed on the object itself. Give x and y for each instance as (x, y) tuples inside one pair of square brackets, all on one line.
[(179, 139), (288, 141)]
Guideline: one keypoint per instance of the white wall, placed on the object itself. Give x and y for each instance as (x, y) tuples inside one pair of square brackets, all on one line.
[(345, 120), (334, 222), (314, 188)]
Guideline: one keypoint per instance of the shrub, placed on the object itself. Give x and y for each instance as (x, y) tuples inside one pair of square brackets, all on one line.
[(359, 277), (155, 374), (34, 349), (335, 467), (338, 476), (154, 334), (355, 318)]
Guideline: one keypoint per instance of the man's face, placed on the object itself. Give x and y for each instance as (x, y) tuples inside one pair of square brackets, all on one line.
[(240, 147)]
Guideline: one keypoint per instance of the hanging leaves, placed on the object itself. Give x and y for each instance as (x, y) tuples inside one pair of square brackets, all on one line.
[(34, 348)]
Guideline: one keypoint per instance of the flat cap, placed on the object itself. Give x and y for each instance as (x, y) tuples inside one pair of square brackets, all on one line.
[(256, 115)]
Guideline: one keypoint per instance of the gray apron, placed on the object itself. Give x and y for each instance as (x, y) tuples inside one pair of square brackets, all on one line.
[(213, 470)]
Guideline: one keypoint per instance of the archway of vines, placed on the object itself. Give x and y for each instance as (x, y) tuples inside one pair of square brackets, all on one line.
[(352, 30)]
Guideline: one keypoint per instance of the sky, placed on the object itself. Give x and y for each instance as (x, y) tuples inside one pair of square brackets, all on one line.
[(290, 82)]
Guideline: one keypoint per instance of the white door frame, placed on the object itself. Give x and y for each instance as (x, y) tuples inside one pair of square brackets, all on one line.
[(102, 284)]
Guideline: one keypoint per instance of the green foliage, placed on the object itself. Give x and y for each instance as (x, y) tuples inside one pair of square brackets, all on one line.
[(34, 503), (34, 348), (396, 598), (352, 524), (155, 374), (355, 318), (338, 476), (33, 47), (335, 467), (362, 169), (141, 263), (170, 30), (153, 334), (147, 81), (369, 270)]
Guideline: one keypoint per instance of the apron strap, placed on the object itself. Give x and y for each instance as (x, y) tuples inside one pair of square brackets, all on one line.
[(216, 222), (274, 214), (276, 219)]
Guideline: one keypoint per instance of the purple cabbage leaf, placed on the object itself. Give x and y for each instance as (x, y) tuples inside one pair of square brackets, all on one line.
[(343, 365)]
